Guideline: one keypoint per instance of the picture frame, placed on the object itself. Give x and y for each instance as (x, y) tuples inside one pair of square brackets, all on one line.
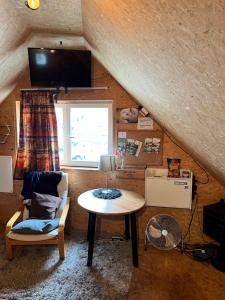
[(127, 115)]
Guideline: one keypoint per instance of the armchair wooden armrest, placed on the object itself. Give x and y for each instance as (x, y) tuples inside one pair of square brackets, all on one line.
[(62, 219), (61, 227), (11, 222)]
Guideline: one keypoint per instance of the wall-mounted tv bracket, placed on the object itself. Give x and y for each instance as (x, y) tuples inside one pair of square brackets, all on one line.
[(58, 89)]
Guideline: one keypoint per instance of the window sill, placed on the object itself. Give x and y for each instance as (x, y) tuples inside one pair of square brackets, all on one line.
[(62, 167)]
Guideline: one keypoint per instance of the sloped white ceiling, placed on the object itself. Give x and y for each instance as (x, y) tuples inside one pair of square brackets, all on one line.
[(12, 32), (168, 54), (55, 16)]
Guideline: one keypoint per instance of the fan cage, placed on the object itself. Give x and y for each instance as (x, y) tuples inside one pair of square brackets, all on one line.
[(163, 232)]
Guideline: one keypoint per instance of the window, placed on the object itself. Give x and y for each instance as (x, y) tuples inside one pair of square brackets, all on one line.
[(84, 132)]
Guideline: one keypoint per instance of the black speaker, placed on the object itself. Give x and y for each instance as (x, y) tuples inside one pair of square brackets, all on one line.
[(214, 220), (219, 260), (214, 226)]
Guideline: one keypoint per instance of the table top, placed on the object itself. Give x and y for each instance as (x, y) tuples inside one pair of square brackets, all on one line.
[(127, 203)]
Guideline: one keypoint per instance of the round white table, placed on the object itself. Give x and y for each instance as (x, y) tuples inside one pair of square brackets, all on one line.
[(127, 204)]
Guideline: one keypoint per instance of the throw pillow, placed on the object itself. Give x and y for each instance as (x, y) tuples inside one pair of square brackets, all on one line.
[(34, 226), (43, 206)]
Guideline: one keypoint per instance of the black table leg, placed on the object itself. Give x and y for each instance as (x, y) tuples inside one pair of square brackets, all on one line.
[(127, 227), (134, 239), (89, 224), (91, 236)]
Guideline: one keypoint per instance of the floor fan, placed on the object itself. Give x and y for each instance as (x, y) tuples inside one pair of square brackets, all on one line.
[(163, 232)]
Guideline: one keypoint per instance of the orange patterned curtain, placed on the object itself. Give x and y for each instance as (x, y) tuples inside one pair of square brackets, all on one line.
[(38, 141)]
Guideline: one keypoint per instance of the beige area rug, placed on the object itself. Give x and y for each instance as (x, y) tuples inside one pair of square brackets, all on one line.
[(37, 273)]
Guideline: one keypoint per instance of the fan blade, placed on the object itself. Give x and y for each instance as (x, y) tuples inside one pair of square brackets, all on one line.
[(161, 243), (154, 232), (170, 241), (158, 224)]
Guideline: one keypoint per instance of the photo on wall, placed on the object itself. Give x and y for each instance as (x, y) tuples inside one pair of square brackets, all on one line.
[(133, 147), (145, 123), (152, 145), (121, 142), (127, 115)]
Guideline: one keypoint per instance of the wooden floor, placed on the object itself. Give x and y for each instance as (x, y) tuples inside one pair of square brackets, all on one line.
[(165, 275)]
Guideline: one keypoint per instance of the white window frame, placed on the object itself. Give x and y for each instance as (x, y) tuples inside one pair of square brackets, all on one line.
[(18, 121), (66, 129)]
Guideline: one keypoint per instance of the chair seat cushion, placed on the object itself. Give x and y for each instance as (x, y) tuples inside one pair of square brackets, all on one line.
[(35, 226), (44, 206), (33, 237)]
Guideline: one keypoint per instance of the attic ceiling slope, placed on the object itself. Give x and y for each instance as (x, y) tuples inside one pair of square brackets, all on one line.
[(13, 28), (170, 56), (55, 16), (13, 31)]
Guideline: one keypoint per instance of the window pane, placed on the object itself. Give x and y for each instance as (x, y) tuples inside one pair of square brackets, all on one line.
[(59, 116), (89, 133)]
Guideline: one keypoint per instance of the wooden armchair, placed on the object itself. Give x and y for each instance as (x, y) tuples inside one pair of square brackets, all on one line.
[(55, 236)]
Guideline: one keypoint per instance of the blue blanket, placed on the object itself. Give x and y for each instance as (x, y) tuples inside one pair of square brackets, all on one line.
[(40, 182), (30, 181)]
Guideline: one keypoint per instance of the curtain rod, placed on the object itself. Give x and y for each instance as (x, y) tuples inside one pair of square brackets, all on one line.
[(67, 89), (38, 89)]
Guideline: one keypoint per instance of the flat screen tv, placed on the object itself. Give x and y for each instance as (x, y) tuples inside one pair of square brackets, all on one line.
[(59, 67)]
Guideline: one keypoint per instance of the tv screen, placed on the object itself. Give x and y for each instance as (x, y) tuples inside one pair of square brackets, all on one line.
[(59, 67)]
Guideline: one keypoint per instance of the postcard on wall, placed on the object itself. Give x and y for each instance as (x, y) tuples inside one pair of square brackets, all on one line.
[(133, 147), (145, 123), (152, 145), (156, 144), (148, 145), (121, 141), (122, 134), (127, 115)]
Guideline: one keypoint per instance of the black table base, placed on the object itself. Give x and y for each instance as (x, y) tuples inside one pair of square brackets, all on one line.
[(130, 225)]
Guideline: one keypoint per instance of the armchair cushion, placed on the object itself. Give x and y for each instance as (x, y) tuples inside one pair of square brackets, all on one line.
[(43, 206), (35, 226)]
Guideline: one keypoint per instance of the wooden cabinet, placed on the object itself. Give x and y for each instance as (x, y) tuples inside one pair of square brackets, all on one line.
[(131, 173)]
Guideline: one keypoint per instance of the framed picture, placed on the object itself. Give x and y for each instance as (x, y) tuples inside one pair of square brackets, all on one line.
[(127, 115)]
